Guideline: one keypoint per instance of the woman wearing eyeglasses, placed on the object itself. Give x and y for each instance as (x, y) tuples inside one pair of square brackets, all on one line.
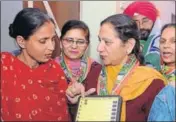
[(77, 66)]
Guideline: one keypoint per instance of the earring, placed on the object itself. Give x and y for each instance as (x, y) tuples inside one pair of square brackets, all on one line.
[(22, 46), (128, 52)]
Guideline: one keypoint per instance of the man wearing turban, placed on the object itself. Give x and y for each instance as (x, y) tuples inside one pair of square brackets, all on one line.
[(146, 16)]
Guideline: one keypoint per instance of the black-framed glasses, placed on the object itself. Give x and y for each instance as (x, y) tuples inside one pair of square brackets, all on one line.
[(71, 41)]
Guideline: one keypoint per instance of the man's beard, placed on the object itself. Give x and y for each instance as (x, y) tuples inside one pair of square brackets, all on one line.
[(144, 33)]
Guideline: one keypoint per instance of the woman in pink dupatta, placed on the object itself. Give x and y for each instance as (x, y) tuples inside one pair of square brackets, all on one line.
[(77, 66)]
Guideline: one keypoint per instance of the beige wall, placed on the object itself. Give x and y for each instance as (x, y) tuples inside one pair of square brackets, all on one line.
[(166, 8), (92, 12)]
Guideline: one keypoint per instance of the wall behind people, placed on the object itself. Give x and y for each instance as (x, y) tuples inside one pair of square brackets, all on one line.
[(8, 11), (166, 8), (91, 12)]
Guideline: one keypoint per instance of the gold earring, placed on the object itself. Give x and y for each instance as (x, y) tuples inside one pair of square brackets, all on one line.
[(128, 52), (22, 46)]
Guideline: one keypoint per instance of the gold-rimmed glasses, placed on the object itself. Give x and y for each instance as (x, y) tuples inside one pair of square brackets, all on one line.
[(71, 41)]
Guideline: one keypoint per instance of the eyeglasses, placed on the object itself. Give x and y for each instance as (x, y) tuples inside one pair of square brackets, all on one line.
[(71, 41), (144, 22)]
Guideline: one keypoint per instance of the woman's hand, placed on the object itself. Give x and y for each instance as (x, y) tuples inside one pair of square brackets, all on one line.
[(75, 90)]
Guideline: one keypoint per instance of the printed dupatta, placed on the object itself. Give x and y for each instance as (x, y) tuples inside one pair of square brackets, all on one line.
[(86, 63), (124, 73), (169, 73)]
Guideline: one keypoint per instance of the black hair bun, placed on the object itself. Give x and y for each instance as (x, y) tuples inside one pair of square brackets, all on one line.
[(11, 31)]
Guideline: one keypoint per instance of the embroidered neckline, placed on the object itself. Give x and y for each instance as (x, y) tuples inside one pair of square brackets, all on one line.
[(168, 72), (123, 74), (84, 68)]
